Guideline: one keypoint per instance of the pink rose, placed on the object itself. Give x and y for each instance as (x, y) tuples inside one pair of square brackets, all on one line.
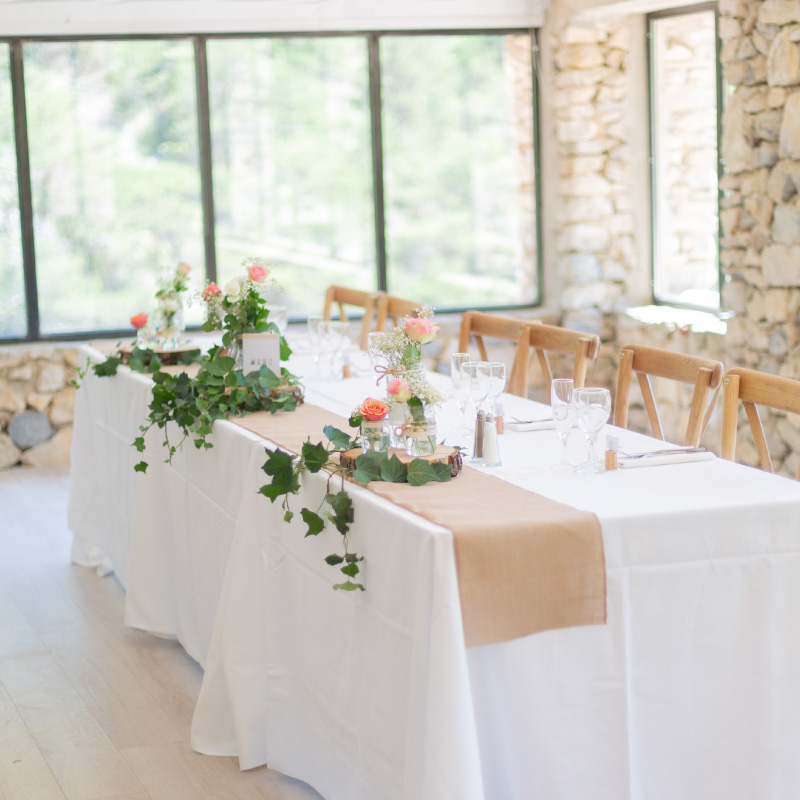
[(139, 320), (212, 290), (421, 330), (399, 390), (184, 268), (257, 273)]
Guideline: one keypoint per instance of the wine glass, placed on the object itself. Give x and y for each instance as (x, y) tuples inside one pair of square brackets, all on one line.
[(475, 385), (562, 401), (315, 339), (592, 406), (456, 360), (495, 375), (338, 332), (280, 316)]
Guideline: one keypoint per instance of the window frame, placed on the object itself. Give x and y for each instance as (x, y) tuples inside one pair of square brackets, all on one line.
[(652, 141), (199, 40)]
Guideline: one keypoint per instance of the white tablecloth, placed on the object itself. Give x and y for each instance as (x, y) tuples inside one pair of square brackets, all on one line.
[(692, 689)]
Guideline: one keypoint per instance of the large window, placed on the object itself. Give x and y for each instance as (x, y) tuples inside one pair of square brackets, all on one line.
[(12, 288), (684, 91), (402, 162)]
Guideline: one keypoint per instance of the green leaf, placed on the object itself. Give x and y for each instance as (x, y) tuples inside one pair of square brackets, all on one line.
[(314, 521), (220, 366), (368, 469), (364, 477), (443, 471), (333, 560), (286, 351), (279, 465), (350, 557), (315, 456), (273, 490), (421, 472), (394, 470), (267, 379), (141, 467), (288, 516), (339, 439), (138, 443), (349, 586), (351, 570), (342, 507), (108, 368)]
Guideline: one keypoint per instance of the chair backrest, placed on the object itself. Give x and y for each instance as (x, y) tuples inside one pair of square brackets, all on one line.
[(755, 388), (342, 296), (704, 373), (585, 347), (396, 309)]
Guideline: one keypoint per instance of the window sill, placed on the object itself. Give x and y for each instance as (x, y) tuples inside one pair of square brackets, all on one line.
[(680, 318)]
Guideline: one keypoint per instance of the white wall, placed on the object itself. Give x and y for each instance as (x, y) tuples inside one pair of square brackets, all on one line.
[(75, 17)]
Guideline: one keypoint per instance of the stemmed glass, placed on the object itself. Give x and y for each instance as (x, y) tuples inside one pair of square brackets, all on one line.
[(456, 360), (315, 339), (338, 332), (495, 372), (592, 407), (562, 401), (475, 385)]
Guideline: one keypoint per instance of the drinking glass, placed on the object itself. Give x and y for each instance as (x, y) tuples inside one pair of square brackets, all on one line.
[(456, 360), (280, 316), (495, 374), (475, 386), (338, 333), (562, 401), (314, 339), (592, 407)]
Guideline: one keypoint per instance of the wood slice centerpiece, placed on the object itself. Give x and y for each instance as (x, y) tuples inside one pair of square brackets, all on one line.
[(168, 357), (444, 454)]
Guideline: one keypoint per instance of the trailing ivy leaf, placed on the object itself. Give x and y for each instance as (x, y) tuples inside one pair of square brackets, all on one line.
[(141, 467), (349, 586), (364, 477), (443, 471), (274, 490), (314, 521), (138, 443), (394, 470), (421, 472), (315, 456), (333, 560), (350, 557), (342, 507), (286, 351), (280, 466), (351, 570), (108, 368), (339, 439), (367, 469), (267, 378), (220, 366), (288, 516)]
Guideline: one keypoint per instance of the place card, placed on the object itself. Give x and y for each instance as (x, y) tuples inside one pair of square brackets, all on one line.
[(259, 349)]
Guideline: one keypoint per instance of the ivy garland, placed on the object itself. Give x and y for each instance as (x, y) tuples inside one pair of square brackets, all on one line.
[(284, 471)]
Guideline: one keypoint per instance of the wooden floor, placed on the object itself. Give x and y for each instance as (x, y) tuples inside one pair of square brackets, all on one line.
[(89, 708)]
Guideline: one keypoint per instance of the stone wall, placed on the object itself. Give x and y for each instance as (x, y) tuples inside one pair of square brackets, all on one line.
[(37, 402)]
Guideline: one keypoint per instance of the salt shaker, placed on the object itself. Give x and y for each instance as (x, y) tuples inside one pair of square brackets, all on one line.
[(477, 444), (491, 453)]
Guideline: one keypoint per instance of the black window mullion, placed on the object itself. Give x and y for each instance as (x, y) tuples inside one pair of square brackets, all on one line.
[(24, 189), (377, 156), (204, 135)]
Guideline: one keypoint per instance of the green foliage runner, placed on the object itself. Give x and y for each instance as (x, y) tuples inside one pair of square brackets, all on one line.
[(284, 471)]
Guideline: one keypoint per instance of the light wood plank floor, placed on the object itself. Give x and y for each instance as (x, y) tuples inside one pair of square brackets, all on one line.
[(89, 708)]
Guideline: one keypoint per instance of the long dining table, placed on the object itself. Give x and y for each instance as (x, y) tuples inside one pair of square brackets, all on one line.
[(690, 690)]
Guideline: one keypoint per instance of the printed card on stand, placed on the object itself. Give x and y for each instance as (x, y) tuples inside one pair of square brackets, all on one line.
[(259, 349)]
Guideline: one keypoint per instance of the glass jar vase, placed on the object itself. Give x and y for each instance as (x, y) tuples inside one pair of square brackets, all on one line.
[(375, 436), (420, 431)]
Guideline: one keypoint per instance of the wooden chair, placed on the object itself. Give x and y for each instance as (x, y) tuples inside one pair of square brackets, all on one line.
[(585, 347), (342, 297), (528, 333), (752, 388), (395, 308), (704, 373)]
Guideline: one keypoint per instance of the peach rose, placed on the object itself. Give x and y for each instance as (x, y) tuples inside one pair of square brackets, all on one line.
[(139, 320), (421, 330), (184, 268), (399, 390), (212, 290), (257, 272), (374, 410)]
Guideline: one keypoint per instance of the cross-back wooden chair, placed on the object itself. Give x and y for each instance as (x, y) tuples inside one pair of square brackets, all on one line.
[(395, 308), (342, 296), (477, 324), (644, 362), (544, 339), (754, 389)]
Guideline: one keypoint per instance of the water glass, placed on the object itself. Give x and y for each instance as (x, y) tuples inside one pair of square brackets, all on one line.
[(562, 401), (495, 375), (593, 406), (456, 360), (314, 339), (280, 316), (475, 386)]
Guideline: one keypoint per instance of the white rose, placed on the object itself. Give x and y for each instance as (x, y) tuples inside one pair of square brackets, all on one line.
[(169, 305), (233, 289)]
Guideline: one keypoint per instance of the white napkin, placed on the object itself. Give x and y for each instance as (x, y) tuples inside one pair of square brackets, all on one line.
[(522, 427), (654, 461)]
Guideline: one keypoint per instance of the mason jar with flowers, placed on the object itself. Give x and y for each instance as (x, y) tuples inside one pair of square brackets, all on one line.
[(170, 296), (371, 418), (239, 308), (412, 413)]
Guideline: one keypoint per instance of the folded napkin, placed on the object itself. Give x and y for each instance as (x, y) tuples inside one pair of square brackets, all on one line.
[(521, 427), (654, 461)]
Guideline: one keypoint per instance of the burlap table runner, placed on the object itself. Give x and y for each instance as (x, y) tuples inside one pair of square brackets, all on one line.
[(525, 563)]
